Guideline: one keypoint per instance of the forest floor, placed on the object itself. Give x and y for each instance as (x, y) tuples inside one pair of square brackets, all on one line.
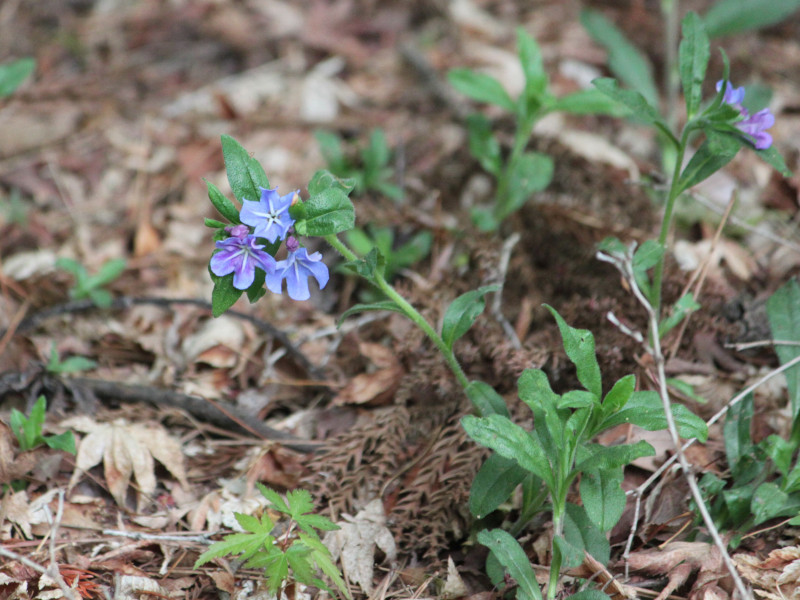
[(103, 155)]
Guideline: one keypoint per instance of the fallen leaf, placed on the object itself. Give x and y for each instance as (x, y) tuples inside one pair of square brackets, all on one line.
[(778, 574), (356, 540), (454, 586), (126, 450)]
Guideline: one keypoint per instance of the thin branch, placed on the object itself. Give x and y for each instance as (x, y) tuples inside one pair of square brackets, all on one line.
[(497, 301), (202, 538)]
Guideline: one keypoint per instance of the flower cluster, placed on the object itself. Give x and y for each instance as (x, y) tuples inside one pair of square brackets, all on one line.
[(241, 253), (753, 125)]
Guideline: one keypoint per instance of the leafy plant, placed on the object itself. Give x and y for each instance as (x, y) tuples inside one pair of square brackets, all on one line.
[(764, 477), (724, 123), (363, 241), (373, 172), (518, 173), (72, 364), (91, 286), (13, 74), (28, 430), (558, 452), (297, 548)]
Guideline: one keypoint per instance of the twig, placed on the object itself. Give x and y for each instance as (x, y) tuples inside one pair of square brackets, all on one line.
[(203, 538), (625, 265), (208, 410), (497, 301), (126, 302), (761, 343), (52, 569), (699, 276)]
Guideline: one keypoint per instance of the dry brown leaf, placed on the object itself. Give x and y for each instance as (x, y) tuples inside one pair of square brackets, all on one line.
[(454, 586), (679, 560), (778, 574), (378, 386), (126, 450), (355, 542)]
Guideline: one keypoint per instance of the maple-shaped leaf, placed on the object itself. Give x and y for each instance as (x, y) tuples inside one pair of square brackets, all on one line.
[(299, 507), (126, 450), (255, 541)]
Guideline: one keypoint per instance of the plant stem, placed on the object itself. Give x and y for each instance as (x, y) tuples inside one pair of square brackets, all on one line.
[(669, 8), (666, 222), (409, 311)]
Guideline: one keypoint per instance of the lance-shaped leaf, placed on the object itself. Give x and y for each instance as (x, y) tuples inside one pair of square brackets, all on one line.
[(486, 399), (480, 87), (713, 154), (510, 554), (326, 213), (603, 497), (245, 174), (494, 482), (579, 346), (693, 59), (223, 205), (463, 312)]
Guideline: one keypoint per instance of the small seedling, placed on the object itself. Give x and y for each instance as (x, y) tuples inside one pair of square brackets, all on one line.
[(374, 172), (518, 173), (298, 547), (72, 364), (91, 286), (382, 238), (28, 430), (14, 74)]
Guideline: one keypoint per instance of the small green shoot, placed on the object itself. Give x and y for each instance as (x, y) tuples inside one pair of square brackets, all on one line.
[(373, 172), (14, 74), (28, 430), (72, 364), (91, 286), (298, 548)]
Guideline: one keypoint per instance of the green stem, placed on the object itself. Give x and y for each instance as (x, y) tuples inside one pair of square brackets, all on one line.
[(666, 222), (409, 311), (521, 137)]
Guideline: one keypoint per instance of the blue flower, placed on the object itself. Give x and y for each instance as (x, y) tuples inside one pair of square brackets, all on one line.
[(753, 125), (269, 215), (240, 255), (296, 270)]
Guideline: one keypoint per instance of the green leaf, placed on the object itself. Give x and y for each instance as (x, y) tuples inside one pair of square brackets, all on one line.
[(224, 294), (322, 558), (382, 305), (683, 307), (592, 457), (100, 298), (413, 251), (28, 430), (246, 544), (214, 224), (714, 153), (773, 158), (463, 312), (367, 267), (300, 502), (494, 483), (483, 145), (511, 555), (276, 569), (589, 595), (694, 53), (376, 154), (73, 364), (324, 180), (480, 87), (531, 172), (634, 101), (512, 441), (245, 174), (602, 497), (275, 499), (13, 74), (486, 399), (736, 435), (767, 502), (644, 409), (326, 213), (579, 346), (330, 145), (223, 205), (581, 534), (577, 399), (619, 394), (783, 312), (780, 451), (727, 17), (588, 102), (624, 59), (530, 57), (63, 441)]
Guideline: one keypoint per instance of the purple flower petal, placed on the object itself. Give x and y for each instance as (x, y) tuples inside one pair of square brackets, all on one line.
[(241, 256), (269, 215), (296, 270), (752, 125)]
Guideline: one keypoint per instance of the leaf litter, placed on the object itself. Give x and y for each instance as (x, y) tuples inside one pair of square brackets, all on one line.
[(135, 99)]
